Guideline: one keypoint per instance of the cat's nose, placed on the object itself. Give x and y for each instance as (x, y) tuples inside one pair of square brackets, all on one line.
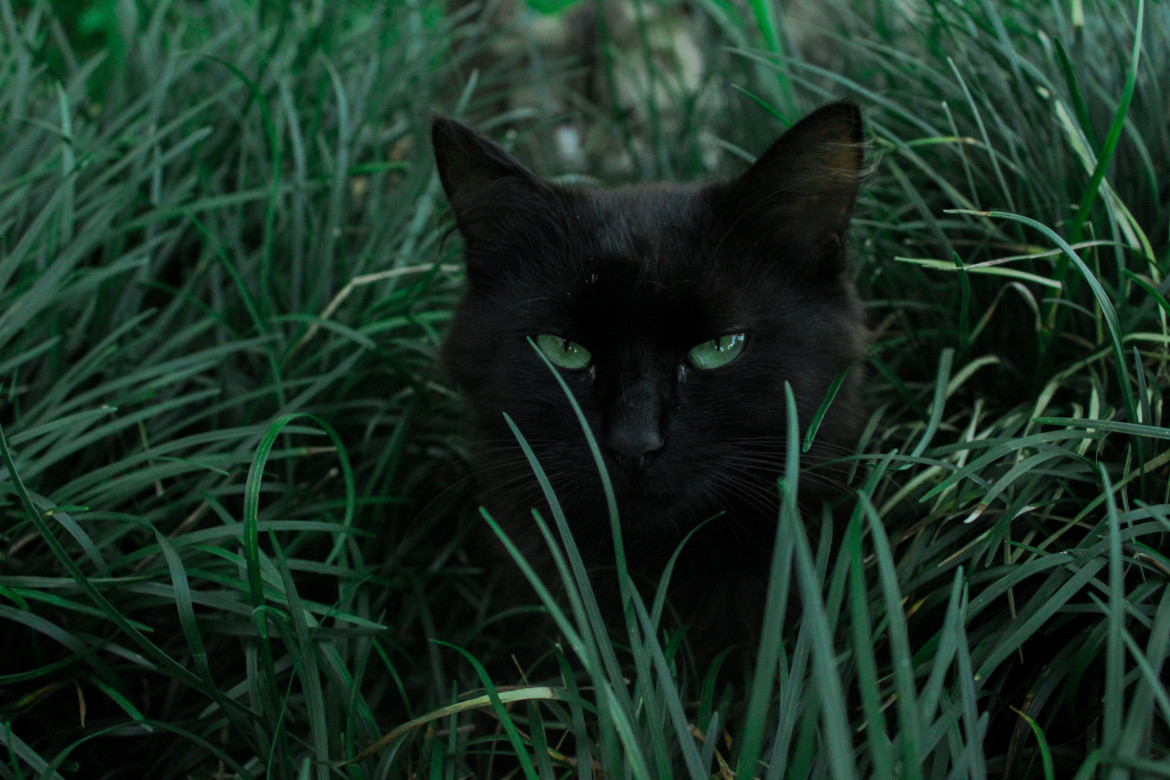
[(634, 430), (635, 445)]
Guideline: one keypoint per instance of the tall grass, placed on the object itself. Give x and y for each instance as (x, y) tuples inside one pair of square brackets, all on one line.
[(234, 510), (220, 307)]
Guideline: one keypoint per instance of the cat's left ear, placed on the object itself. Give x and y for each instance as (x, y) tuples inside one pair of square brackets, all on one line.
[(804, 185)]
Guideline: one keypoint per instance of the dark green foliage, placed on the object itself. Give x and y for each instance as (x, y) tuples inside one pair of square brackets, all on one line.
[(233, 507)]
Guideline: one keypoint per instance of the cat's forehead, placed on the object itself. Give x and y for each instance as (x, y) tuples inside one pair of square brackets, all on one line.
[(643, 245), (643, 223), (643, 258)]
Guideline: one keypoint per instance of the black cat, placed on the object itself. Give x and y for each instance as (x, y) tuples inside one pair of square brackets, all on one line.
[(675, 313)]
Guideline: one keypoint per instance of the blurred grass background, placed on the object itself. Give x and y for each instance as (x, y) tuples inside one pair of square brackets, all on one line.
[(234, 507)]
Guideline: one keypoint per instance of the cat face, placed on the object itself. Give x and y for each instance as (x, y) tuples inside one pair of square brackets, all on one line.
[(675, 313)]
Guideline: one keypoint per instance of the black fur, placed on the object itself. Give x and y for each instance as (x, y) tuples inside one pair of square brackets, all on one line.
[(640, 275)]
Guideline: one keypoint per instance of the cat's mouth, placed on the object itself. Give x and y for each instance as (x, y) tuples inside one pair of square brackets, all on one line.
[(647, 510), (637, 477), (646, 489)]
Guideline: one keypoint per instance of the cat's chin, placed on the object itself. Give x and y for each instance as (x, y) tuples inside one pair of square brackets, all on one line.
[(642, 489), (657, 510)]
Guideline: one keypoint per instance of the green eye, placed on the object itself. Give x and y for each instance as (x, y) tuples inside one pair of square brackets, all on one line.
[(717, 352), (562, 352)]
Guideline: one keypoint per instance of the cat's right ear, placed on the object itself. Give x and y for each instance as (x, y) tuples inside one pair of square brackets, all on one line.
[(479, 177)]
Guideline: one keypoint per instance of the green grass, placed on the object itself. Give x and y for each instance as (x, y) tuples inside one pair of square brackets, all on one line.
[(234, 507)]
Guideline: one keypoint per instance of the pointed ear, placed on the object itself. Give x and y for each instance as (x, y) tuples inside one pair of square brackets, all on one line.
[(479, 177), (803, 187)]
